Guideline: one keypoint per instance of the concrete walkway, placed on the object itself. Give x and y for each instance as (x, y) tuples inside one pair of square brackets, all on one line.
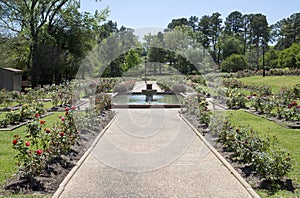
[(153, 153)]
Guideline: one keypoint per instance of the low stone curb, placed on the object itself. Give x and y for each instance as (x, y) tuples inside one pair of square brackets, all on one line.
[(63, 184), (223, 160)]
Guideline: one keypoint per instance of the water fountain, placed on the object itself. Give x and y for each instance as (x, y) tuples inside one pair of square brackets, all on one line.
[(154, 98), (149, 92)]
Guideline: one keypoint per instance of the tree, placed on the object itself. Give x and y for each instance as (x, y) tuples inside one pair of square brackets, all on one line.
[(177, 22), (287, 31), (234, 63), (234, 23), (260, 32), (289, 58), (214, 34), (247, 32), (107, 30), (204, 26), (271, 58), (210, 27), (33, 18), (193, 22), (231, 45)]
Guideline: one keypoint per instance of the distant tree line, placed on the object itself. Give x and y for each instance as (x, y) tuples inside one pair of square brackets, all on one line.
[(48, 40), (242, 40)]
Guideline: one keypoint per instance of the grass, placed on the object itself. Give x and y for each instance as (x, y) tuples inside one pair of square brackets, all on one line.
[(275, 82), (11, 104), (2, 115), (289, 139), (7, 162), (48, 105)]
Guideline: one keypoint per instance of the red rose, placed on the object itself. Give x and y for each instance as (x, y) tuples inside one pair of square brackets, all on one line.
[(298, 107), (42, 121), (254, 94), (294, 103), (37, 115), (63, 119), (62, 134), (289, 106), (249, 97), (27, 143), (47, 131), (67, 109), (67, 113), (73, 108), (39, 151), (15, 141)]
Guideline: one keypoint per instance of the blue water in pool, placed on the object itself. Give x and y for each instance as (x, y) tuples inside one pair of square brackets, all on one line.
[(141, 99)]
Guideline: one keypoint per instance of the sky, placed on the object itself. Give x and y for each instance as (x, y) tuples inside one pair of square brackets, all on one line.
[(158, 13)]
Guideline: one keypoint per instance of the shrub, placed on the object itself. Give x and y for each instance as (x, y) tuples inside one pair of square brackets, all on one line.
[(177, 88), (264, 156), (121, 88), (236, 99), (234, 63), (197, 106), (42, 144), (102, 102)]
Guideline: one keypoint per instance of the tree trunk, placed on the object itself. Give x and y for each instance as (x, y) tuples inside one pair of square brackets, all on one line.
[(35, 68)]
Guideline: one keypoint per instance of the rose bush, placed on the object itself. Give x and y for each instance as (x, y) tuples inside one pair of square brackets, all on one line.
[(41, 144), (265, 157)]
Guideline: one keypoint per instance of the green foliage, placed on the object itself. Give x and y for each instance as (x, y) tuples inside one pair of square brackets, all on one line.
[(234, 63), (177, 88), (236, 99), (124, 87), (41, 144), (231, 45), (39, 41), (289, 57), (166, 83), (197, 105), (288, 139), (286, 31), (265, 157)]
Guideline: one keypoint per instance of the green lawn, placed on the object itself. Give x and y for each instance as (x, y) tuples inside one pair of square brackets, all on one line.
[(275, 82), (7, 162), (9, 104), (288, 139), (2, 115)]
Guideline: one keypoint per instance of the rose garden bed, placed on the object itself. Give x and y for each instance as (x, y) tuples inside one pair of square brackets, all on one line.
[(47, 182)]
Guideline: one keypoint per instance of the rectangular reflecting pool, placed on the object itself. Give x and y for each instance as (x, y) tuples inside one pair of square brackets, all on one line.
[(139, 100)]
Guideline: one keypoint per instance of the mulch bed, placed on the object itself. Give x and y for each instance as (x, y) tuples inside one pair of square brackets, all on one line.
[(48, 182)]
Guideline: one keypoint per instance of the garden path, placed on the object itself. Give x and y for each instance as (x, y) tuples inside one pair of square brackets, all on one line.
[(152, 153)]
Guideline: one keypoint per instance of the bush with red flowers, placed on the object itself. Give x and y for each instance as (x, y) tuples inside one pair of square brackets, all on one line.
[(42, 144)]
